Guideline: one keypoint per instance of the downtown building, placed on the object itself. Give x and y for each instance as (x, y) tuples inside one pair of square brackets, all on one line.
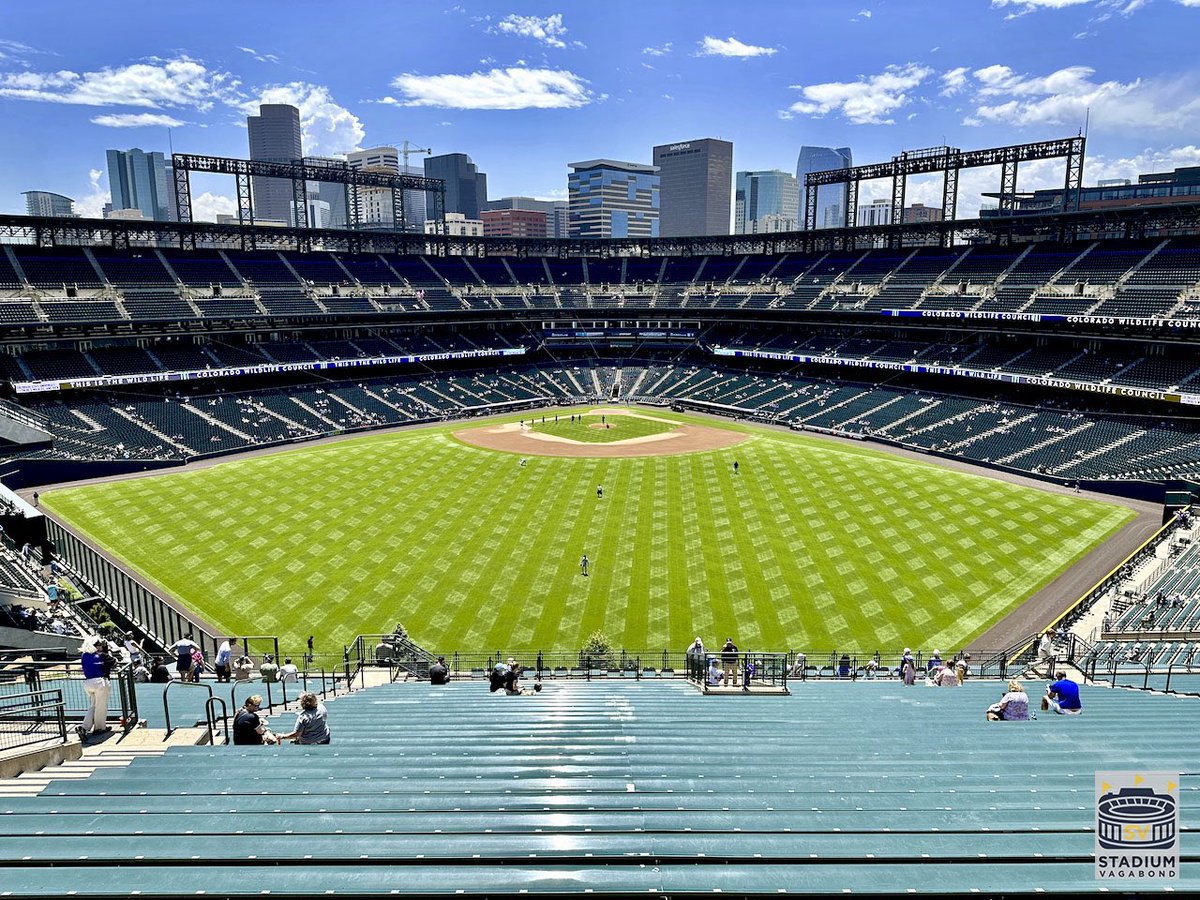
[(695, 181), (375, 209), (518, 223), (557, 212), (141, 181), (766, 202), (466, 186), (274, 137), (831, 198), (613, 199), (48, 204)]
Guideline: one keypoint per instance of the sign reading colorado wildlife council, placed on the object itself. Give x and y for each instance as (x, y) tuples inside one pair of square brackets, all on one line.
[(1137, 826)]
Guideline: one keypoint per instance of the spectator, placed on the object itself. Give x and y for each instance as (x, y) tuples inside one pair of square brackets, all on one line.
[(715, 677), (513, 678), (729, 660), (197, 664), (438, 673), (312, 725), (908, 668), (140, 673), (289, 672), (243, 668), (1063, 697), (159, 673), (934, 661), (1045, 651), (1013, 706), (249, 728), (799, 665), (269, 670), (946, 676), (182, 649), (97, 664), (843, 669), (222, 662), (961, 667), (498, 677)]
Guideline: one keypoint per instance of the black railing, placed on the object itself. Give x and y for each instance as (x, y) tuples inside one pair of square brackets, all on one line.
[(32, 717), (66, 677), (749, 672)]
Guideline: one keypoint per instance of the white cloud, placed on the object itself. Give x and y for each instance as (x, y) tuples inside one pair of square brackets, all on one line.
[(206, 206), (16, 50), (1063, 97), (261, 57), (1106, 7), (550, 30), (92, 205), (861, 14), (512, 88), (731, 46), (137, 120), (954, 81), (326, 127), (867, 101), (1192, 3), (179, 82), (662, 50)]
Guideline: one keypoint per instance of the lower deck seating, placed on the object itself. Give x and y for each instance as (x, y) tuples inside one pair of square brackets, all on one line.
[(616, 788)]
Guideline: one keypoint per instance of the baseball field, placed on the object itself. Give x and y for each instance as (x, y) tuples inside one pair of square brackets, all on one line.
[(471, 535)]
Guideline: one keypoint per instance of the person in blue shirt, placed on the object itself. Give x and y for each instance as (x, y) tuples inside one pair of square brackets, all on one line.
[(1062, 697), (97, 664)]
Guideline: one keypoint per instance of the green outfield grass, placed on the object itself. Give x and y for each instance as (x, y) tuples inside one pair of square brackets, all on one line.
[(814, 544), (599, 428)]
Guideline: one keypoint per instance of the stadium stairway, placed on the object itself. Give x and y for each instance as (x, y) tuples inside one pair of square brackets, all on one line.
[(615, 788)]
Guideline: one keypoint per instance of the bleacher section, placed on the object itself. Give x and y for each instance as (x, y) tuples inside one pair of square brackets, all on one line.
[(615, 788), (1146, 278)]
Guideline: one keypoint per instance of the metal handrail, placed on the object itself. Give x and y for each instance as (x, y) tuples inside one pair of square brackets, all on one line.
[(166, 705), (210, 717), (53, 702)]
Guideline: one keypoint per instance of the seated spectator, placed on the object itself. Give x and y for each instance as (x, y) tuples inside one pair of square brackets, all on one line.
[(871, 668), (512, 679), (243, 668), (140, 673), (1013, 706), (498, 676), (716, 675), (269, 670), (159, 673), (249, 727), (843, 670), (1063, 697), (961, 667), (946, 676), (289, 672), (438, 673), (799, 665), (934, 662), (312, 725)]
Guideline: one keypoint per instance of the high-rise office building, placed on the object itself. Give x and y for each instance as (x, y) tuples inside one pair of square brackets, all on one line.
[(274, 137), (375, 203), (45, 203), (557, 212), (609, 198), (831, 198), (466, 186), (142, 181), (329, 192), (877, 212), (766, 201), (695, 180)]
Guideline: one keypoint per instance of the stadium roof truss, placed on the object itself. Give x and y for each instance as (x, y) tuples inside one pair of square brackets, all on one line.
[(299, 174), (949, 161)]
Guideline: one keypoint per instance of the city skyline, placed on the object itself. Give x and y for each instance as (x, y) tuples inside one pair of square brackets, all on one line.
[(523, 91)]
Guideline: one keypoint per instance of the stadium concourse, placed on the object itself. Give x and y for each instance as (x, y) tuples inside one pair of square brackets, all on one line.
[(614, 788)]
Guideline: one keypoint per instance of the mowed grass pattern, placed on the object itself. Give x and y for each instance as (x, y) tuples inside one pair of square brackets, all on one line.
[(813, 544), (601, 428)]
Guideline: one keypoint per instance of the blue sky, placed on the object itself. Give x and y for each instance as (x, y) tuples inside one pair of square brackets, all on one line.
[(525, 88)]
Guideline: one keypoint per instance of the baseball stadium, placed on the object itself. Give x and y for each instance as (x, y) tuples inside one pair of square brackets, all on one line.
[(612, 566)]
